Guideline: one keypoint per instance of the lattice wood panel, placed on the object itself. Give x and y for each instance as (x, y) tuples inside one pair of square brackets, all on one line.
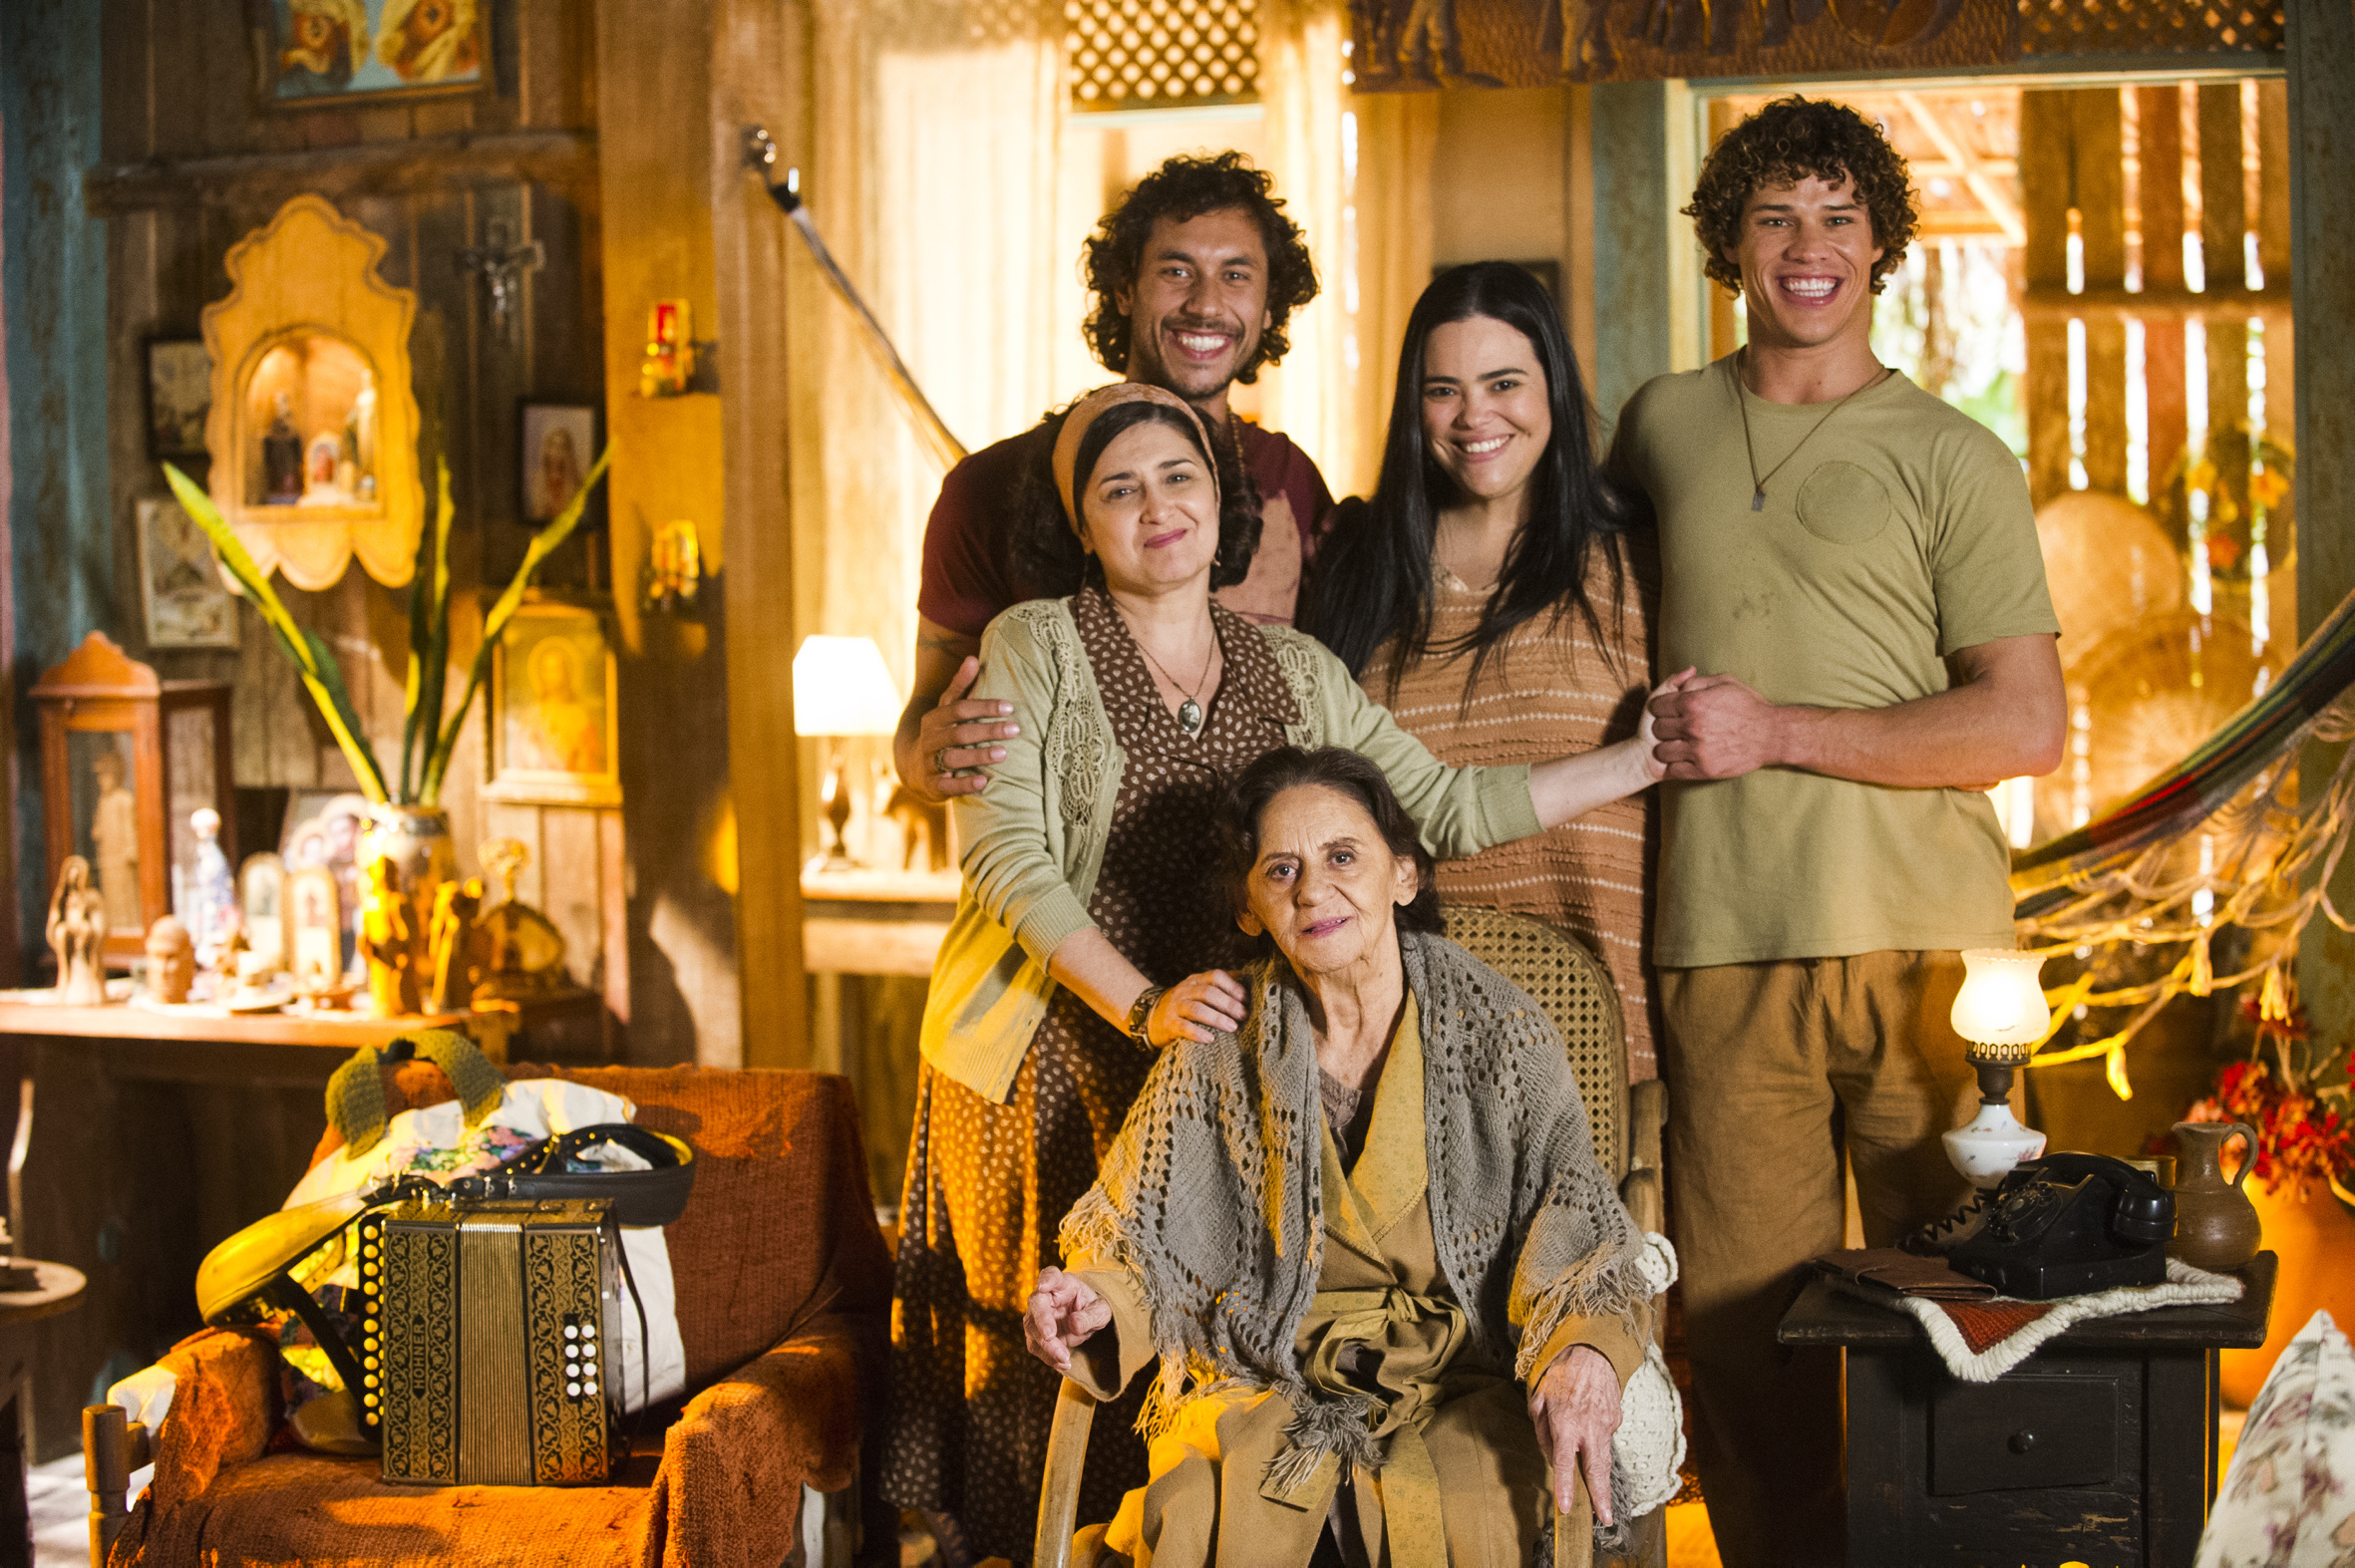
[(2134, 27), (1162, 53)]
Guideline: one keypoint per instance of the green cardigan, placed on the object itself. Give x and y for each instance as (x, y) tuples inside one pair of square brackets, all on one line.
[(1034, 839)]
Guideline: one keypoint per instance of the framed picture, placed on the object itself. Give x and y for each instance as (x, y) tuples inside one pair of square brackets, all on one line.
[(180, 397), (552, 731), (315, 941), (322, 833), (319, 52), (559, 442), (262, 900), (186, 603)]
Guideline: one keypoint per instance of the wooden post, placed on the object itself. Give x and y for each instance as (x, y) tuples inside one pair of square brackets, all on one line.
[(2159, 121), (2100, 161), (682, 219), (2321, 108), (2223, 226), (2272, 226), (752, 82), (2047, 134), (1631, 271)]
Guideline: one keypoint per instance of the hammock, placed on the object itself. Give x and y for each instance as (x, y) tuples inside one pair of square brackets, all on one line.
[(2261, 735)]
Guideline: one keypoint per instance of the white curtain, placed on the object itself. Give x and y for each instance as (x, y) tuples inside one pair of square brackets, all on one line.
[(933, 178), (1355, 172)]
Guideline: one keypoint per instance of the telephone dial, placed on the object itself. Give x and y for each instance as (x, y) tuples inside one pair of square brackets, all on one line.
[(2061, 1225)]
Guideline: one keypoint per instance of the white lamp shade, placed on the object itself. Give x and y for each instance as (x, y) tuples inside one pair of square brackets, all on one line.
[(2001, 1002), (841, 686)]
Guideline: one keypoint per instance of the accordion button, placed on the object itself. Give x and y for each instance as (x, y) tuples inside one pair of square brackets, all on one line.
[(572, 1389), (572, 1331), (590, 1389)]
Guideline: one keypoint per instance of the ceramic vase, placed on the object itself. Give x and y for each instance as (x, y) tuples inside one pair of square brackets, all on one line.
[(416, 838), (2217, 1227), (2313, 1235)]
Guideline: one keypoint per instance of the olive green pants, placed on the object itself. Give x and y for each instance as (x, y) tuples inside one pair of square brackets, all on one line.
[(1773, 1070)]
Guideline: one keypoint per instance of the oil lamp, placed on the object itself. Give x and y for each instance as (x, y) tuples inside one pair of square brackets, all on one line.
[(2000, 1010)]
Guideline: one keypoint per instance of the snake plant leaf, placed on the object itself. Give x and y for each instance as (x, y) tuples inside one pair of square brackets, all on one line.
[(495, 623), (314, 661), (429, 643)]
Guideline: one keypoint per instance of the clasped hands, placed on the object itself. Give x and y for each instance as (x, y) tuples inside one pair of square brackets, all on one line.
[(1712, 727), (1574, 1404)]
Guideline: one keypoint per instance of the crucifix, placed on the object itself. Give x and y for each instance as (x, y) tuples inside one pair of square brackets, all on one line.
[(501, 266)]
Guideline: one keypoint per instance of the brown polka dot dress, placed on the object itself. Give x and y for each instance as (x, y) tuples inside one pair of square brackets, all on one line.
[(988, 1184)]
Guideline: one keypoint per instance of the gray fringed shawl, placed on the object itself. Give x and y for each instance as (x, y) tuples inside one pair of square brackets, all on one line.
[(1211, 1196)]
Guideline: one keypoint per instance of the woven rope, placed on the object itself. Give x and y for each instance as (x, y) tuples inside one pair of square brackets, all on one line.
[(1575, 989)]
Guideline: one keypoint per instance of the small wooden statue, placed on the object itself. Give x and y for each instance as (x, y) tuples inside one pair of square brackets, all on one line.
[(923, 823), (171, 961), (386, 942), (456, 940), (76, 931)]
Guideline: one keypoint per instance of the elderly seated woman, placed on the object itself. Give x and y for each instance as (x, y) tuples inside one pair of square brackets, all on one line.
[(1354, 1230)]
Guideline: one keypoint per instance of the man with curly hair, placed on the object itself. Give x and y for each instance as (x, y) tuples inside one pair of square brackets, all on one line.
[(1195, 274), (1853, 566)]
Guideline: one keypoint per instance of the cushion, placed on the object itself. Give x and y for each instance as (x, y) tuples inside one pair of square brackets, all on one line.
[(2289, 1500)]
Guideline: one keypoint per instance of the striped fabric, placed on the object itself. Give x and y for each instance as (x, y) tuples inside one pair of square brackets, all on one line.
[(1549, 692)]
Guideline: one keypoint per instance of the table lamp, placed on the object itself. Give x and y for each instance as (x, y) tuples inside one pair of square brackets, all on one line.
[(2000, 1010), (840, 688)]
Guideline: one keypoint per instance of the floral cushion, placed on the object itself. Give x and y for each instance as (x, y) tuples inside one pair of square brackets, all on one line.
[(2289, 1500)]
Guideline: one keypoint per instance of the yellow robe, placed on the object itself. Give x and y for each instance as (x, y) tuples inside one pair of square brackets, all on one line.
[(1463, 1484)]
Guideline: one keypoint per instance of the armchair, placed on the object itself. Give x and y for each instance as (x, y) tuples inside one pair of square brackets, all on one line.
[(784, 1293), (1577, 993)]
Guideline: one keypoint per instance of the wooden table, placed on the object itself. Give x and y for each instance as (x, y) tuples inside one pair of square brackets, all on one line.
[(157, 1136), (2099, 1448)]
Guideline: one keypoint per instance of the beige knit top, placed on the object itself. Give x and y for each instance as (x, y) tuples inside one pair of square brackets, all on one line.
[(1550, 692)]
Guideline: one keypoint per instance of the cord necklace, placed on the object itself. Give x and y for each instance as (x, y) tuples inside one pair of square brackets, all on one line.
[(1757, 482)]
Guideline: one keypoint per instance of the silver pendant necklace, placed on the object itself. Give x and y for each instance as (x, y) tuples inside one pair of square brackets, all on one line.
[(1190, 711)]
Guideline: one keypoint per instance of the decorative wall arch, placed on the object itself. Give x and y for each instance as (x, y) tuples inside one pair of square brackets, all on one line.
[(310, 362)]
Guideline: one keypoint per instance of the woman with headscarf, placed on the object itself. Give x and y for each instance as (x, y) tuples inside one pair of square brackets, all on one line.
[(1089, 912), (1494, 595)]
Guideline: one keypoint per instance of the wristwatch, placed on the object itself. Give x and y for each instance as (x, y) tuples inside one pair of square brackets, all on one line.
[(1141, 1014)]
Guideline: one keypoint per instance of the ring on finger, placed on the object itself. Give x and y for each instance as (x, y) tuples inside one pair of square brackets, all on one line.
[(940, 762)]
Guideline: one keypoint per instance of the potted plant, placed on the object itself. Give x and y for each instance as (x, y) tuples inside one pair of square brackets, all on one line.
[(405, 819)]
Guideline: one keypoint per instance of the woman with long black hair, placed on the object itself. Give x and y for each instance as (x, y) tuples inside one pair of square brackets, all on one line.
[(1495, 596)]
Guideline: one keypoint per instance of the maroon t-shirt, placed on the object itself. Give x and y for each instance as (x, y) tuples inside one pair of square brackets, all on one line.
[(969, 574)]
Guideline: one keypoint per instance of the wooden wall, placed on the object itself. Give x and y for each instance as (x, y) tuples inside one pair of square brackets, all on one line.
[(191, 161), (2073, 172)]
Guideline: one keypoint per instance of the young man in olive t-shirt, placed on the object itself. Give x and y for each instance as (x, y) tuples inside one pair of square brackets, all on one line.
[(1853, 567)]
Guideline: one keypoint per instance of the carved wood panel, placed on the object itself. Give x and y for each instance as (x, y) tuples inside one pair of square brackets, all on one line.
[(1402, 45)]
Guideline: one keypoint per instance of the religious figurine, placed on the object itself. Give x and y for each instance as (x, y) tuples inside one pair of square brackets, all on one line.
[(315, 935), (524, 950), (456, 942), (228, 965), (387, 943), (76, 931), (212, 910), (921, 823), (281, 457), (171, 961), (113, 833)]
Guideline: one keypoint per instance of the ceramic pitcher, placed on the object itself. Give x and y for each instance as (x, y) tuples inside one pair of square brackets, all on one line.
[(2217, 1227)]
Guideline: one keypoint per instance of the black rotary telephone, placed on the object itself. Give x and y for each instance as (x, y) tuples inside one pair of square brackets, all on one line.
[(2062, 1225)]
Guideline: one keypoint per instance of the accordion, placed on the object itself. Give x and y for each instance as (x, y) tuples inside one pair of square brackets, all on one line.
[(489, 1338)]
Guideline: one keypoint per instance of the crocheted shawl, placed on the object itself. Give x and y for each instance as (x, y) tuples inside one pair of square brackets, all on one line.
[(1210, 1195)]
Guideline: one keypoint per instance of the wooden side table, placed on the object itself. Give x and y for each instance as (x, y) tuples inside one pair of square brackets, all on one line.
[(57, 1289), (2099, 1448)]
